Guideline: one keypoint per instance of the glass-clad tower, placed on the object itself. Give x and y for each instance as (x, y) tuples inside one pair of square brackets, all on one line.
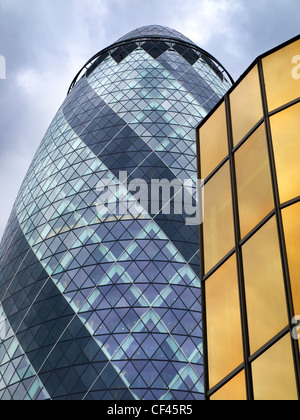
[(96, 304)]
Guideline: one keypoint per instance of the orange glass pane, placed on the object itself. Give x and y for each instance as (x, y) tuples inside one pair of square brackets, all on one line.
[(282, 75), (265, 293), (224, 336), (235, 390), (291, 224), (286, 141), (246, 106), (254, 185), (218, 230), (213, 141), (274, 373)]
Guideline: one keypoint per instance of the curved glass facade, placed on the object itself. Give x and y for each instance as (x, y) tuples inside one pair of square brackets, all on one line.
[(155, 31), (106, 305)]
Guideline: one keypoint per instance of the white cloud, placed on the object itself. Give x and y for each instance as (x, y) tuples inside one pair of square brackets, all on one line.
[(210, 18), (213, 25), (13, 170), (28, 80)]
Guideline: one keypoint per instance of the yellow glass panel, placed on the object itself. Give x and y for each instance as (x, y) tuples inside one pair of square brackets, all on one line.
[(282, 75), (265, 293), (273, 373), (246, 106), (213, 141), (253, 181), (235, 390), (218, 230), (286, 140), (224, 336), (291, 224)]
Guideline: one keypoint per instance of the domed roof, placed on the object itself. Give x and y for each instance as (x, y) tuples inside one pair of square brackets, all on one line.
[(155, 31)]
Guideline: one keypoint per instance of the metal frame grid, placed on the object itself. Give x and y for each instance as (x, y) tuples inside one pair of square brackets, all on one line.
[(93, 62), (137, 112)]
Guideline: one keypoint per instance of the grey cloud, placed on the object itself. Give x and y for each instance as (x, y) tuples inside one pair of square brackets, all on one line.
[(45, 42)]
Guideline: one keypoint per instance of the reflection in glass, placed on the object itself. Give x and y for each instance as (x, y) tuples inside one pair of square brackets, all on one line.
[(213, 141), (291, 224), (265, 294), (286, 133), (273, 373), (281, 76), (218, 228), (253, 181), (225, 350), (246, 106), (234, 390)]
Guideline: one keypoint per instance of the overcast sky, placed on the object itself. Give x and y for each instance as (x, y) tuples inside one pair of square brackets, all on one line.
[(46, 42)]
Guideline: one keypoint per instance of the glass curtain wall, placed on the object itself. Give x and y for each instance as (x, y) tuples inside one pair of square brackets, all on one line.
[(249, 156), (98, 302)]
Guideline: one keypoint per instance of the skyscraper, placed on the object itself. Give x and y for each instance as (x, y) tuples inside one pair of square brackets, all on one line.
[(96, 304)]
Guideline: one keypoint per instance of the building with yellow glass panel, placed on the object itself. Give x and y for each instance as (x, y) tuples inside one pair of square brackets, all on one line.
[(249, 157)]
